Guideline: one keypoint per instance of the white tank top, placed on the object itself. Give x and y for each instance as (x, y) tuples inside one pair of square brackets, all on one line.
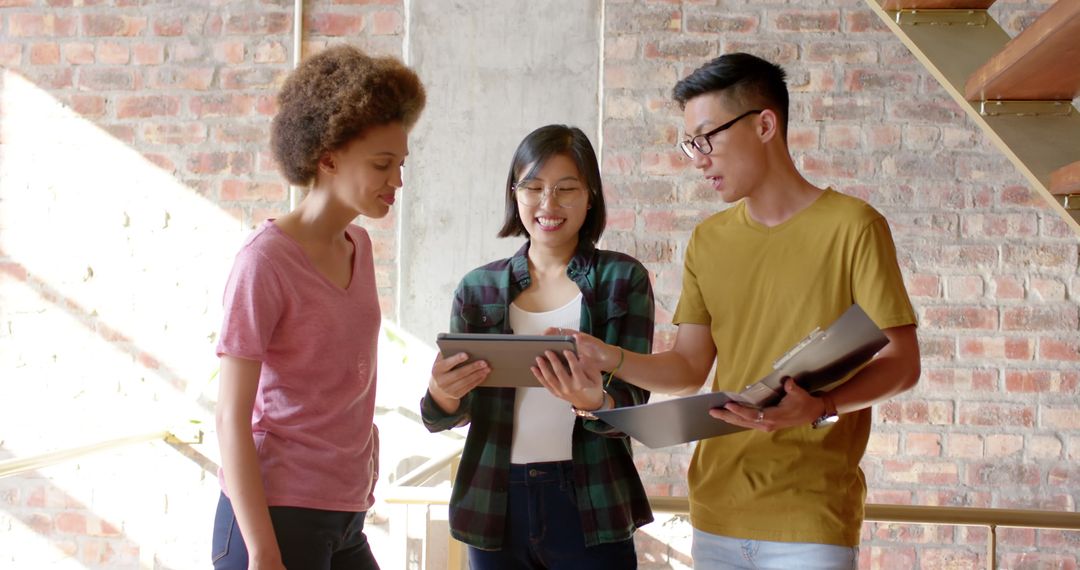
[(543, 424)]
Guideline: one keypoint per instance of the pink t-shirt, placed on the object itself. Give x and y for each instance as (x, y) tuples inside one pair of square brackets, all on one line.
[(312, 420)]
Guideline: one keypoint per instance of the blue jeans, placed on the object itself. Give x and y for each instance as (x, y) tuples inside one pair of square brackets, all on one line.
[(308, 538), (715, 552), (543, 527)]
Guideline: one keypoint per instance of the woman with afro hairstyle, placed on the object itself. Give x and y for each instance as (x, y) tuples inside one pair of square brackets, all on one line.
[(299, 451)]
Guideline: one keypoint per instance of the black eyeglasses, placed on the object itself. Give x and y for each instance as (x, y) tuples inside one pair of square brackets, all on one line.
[(702, 144)]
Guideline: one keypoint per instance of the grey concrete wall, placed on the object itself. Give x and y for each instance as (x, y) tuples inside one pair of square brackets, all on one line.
[(494, 70)]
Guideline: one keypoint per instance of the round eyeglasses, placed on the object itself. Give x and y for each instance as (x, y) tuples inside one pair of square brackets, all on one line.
[(565, 194), (702, 143)]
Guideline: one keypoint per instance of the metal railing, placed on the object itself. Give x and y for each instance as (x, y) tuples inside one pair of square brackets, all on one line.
[(406, 490)]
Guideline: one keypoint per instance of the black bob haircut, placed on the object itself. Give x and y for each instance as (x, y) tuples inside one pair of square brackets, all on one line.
[(532, 153), (745, 81)]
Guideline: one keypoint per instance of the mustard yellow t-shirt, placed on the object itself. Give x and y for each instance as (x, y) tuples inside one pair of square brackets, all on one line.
[(760, 290)]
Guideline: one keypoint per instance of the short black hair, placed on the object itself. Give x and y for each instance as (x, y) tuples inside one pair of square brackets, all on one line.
[(535, 150), (747, 81)]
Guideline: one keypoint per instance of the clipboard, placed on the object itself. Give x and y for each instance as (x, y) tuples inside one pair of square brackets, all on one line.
[(817, 361), (509, 355)]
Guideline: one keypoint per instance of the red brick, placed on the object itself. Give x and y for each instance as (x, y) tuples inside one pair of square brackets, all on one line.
[(1004, 474), (148, 54), (188, 78), (330, 24), (1052, 348), (221, 105), (844, 109), (266, 105), (11, 54), (997, 347), (161, 161), (923, 444), (807, 21), (78, 53), (801, 138), (961, 317), (271, 52), (1060, 418), (863, 21), (255, 78), (842, 137), (999, 225), (721, 21), (386, 24), (1040, 317), (35, 24), (1047, 289), (173, 133), (678, 49), (966, 446), (45, 54), (230, 52), (1038, 255), (835, 52), (71, 523), (113, 25), (658, 19), (998, 445), (778, 52), (883, 80), (88, 105), (916, 412), (147, 106), (961, 380), (921, 472), (986, 414), (663, 163), (106, 79), (1008, 287), (236, 190), (113, 53), (258, 24), (168, 25)]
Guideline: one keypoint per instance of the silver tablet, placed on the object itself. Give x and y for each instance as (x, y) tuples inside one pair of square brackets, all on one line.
[(510, 355)]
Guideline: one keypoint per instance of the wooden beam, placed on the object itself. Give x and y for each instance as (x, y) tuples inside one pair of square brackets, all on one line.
[(1065, 180), (1040, 64)]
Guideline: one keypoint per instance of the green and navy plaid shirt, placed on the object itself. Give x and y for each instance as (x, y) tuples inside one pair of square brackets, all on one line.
[(617, 307)]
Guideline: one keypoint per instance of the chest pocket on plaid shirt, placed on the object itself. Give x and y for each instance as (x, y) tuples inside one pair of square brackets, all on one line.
[(480, 317)]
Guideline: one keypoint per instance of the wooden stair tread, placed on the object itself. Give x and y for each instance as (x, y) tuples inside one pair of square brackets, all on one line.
[(1040, 64), (1066, 180), (936, 4)]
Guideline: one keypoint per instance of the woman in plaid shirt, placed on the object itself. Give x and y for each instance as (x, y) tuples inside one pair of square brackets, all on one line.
[(542, 482)]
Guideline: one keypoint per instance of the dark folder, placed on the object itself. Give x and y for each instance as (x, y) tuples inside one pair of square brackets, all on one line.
[(820, 359)]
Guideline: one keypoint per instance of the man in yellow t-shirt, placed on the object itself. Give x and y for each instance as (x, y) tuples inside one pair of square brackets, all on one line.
[(759, 276)]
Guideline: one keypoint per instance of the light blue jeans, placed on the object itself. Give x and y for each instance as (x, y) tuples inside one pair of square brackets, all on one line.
[(714, 552)]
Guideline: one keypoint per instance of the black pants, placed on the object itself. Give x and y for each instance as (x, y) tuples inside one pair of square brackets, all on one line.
[(310, 539)]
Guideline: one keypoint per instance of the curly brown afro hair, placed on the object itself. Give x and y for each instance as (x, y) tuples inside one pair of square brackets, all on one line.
[(332, 98)]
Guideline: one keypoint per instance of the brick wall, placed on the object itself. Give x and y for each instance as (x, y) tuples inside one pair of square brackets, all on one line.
[(175, 100), (991, 270), (133, 161)]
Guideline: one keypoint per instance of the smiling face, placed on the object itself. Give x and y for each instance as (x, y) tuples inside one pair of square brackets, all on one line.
[(737, 162), (365, 174), (547, 221)]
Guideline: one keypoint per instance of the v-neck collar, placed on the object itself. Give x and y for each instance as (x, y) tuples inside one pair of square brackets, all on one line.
[(311, 265)]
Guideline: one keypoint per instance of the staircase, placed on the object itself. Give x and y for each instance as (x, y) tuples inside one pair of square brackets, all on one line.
[(1020, 91)]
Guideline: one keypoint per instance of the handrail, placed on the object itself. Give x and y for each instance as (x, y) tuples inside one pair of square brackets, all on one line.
[(19, 465), (929, 514), (429, 468), (402, 493)]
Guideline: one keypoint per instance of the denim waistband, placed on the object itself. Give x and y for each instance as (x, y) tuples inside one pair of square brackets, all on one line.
[(543, 472)]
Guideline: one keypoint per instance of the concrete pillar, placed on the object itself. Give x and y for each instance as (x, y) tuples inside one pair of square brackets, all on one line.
[(495, 70)]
